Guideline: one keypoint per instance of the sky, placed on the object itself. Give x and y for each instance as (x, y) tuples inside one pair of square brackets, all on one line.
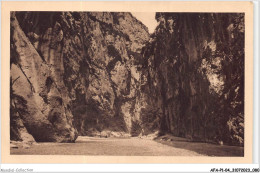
[(147, 18)]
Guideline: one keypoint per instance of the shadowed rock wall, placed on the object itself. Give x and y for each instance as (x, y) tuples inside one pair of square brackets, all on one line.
[(195, 75)]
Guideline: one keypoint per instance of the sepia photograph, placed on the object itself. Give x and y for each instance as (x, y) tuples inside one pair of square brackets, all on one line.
[(104, 83), (128, 83)]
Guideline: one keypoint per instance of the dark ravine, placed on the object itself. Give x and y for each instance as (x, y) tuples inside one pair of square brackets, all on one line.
[(101, 73)]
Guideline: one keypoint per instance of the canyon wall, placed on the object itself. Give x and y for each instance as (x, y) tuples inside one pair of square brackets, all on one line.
[(195, 75), (74, 73)]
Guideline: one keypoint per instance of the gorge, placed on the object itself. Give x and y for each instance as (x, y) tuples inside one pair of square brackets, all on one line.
[(102, 73)]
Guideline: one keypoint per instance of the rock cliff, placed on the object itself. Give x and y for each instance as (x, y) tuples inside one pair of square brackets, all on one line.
[(195, 75), (78, 72)]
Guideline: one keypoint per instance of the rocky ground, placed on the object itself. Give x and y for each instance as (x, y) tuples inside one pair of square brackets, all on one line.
[(135, 146)]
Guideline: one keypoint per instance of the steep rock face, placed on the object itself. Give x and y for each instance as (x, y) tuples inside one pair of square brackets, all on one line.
[(195, 76), (83, 68), (37, 104)]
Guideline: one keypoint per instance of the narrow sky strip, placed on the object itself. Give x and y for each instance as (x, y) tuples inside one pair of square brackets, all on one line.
[(148, 19)]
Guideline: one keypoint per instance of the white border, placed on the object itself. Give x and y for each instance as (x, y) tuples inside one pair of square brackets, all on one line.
[(163, 167), (126, 167), (256, 83)]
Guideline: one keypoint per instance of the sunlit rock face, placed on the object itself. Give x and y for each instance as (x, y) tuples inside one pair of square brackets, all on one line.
[(78, 71), (38, 101), (195, 76)]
